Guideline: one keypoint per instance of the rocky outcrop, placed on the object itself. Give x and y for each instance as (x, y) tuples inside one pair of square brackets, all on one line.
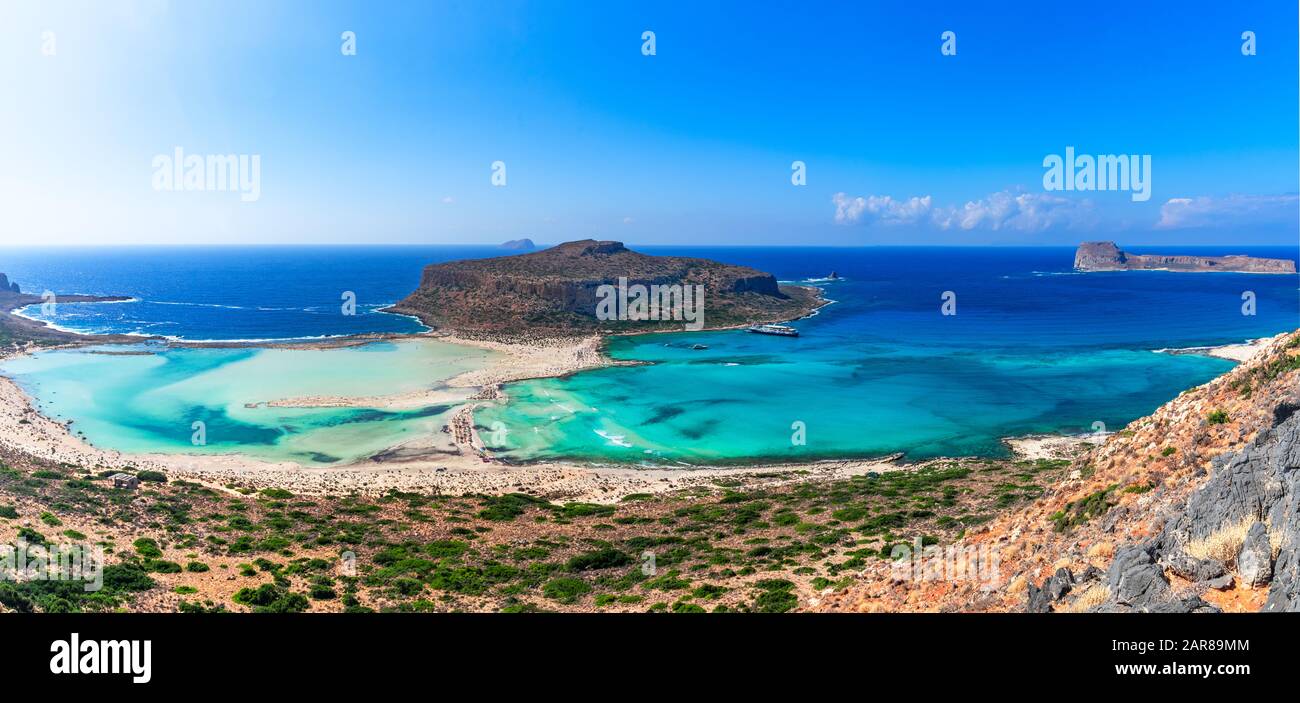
[(1106, 256), (557, 290), (524, 244), (18, 331), (1248, 511)]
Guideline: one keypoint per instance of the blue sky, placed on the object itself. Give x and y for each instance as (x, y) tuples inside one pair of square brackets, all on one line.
[(903, 145)]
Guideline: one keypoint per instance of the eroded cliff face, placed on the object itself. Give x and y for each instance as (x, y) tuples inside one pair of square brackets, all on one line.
[(1106, 256), (556, 291)]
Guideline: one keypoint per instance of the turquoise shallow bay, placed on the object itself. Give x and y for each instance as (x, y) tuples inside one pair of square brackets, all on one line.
[(738, 401), (148, 402)]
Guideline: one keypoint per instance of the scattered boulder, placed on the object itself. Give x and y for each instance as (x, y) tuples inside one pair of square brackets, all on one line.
[(1056, 587), (1136, 580), (1255, 561), (1193, 569), (1220, 583)]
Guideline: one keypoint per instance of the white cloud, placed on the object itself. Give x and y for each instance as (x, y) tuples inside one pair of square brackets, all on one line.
[(880, 208), (448, 200), (1210, 211), (628, 220), (1004, 210)]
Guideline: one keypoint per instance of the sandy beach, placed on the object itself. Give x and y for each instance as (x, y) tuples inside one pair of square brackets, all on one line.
[(1244, 351)]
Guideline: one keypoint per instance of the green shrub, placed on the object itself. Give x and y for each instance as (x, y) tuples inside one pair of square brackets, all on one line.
[(601, 559), (270, 598), (162, 566), (321, 592), (446, 548), (775, 596), (566, 589), (147, 548)]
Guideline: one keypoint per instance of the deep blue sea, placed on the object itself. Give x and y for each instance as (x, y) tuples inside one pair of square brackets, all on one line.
[(1033, 346), (1006, 297)]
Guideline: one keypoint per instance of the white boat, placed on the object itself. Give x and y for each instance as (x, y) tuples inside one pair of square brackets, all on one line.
[(778, 330)]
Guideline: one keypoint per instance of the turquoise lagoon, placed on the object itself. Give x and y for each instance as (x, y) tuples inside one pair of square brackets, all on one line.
[(739, 400), (147, 400), (1034, 348)]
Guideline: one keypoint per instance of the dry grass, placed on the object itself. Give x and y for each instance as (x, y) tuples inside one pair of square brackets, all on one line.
[(1091, 597), (1019, 585), (1101, 550), (1223, 544), (1276, 537)]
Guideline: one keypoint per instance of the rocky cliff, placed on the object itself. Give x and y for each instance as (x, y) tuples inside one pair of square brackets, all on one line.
[(556, 291), (1106, 256)]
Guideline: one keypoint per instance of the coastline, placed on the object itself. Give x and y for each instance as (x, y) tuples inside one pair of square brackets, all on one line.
[(462, 465), (1239, 352)]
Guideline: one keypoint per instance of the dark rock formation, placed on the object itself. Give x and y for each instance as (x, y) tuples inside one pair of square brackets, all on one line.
[(1056, 587), (1259, 486), (555, 291), (524, 244), (1135, 580), (1106, 256), (5, 285)]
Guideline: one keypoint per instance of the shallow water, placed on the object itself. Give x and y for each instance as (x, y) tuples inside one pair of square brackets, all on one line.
[(740, 400), (1033, 348), (150, 402)]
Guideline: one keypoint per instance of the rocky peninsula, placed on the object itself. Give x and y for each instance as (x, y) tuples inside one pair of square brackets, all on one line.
[(20, 331), (556, 292), (1106, 256)]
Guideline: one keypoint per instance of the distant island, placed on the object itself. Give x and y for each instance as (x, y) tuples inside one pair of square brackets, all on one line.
[(557, 291), (524, 244), (1106, 256), (7, 287)]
